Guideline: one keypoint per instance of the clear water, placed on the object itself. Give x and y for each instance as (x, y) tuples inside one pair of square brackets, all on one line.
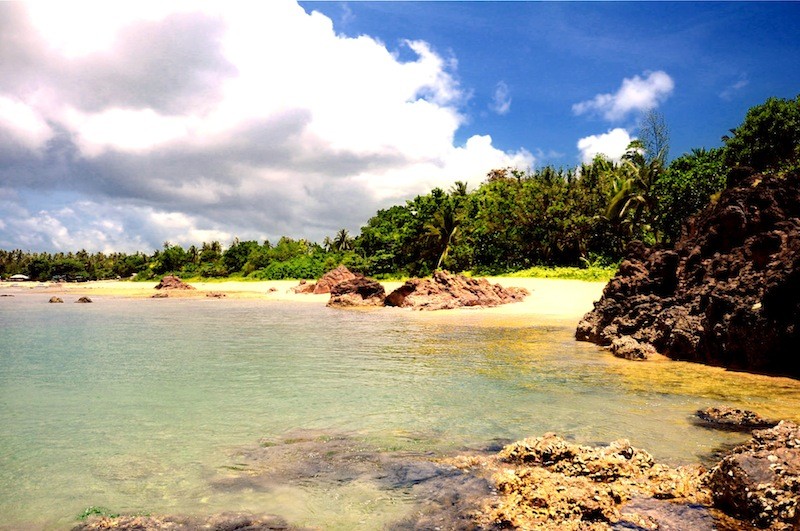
[(139, 405)]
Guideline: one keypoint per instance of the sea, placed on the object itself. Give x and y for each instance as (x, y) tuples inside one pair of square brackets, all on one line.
[(157, 406)]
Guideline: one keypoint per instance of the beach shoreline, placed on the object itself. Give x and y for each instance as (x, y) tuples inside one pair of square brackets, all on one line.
[(558, 299)]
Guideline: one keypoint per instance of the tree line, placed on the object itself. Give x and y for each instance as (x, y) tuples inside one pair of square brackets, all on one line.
[(511, 221)]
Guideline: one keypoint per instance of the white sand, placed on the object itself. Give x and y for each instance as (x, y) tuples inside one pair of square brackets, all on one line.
[(550, 299)]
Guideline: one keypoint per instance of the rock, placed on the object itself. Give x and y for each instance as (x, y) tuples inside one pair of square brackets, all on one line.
[(173, 282), (446, 291), (159, 296), (332, 278), (630, 349), (224, 521), (728, 294), (84, 300), (327, 281), (303, 287), (760, 481), (216, 295), (550, 483), (728, 418), (56, 299), (359, 291)]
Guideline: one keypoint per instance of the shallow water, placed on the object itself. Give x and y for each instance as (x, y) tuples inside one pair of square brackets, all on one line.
[(144, 405)]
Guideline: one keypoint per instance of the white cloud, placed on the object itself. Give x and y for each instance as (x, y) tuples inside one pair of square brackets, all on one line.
[(193, 120), (23, 123), (501, 101), (730, 92), (636, 94), (612, 144)]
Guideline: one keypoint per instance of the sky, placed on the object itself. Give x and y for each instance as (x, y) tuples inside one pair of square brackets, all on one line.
[(124, 125)]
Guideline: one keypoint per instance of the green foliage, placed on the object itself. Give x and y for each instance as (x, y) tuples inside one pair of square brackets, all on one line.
[(769, 137), (686, 187), (590, 274), (96, 511)]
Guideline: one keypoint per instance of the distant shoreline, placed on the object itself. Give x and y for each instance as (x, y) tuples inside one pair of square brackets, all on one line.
[(557, 299)]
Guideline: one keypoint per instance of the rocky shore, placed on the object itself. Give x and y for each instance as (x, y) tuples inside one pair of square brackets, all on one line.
[(728, 294), (546, 483)]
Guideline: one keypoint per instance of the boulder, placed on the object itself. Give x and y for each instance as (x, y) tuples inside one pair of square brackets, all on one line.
[(216, 295), (332, 278), (732, 419), (630, 349), (359, 291), (55, 299), (728, 294), (84, 300), (303, 287), (173, 282), (760, 481), (446, 291)]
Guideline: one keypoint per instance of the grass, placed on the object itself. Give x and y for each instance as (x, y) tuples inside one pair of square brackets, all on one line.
[(591, 273)]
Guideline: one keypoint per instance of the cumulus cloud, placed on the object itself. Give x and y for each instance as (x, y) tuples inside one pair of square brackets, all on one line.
[(187, 121), (501, 101), (636, 94), (611, 144)]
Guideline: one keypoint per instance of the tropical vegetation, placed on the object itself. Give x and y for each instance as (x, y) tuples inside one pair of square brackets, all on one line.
[(513, 221)]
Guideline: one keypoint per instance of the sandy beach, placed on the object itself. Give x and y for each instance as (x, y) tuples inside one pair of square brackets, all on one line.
[(549, 298)]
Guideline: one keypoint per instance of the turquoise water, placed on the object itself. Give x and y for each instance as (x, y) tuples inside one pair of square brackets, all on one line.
[(140, 405)]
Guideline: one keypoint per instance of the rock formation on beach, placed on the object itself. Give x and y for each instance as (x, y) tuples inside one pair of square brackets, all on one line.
[(84, 300), (359, 291), (327, 281), (728, 294), (732, 419), (173, 282), (55, 299), (445, 291)]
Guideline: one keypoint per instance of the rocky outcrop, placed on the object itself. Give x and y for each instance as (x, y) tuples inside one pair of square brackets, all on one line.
[(84, 300), (728, 294), (550, 483), (332, 278), (327, 281), (760, 481), (54, 300), (732, 419), (445, 291), (359, 291), (173, 282)]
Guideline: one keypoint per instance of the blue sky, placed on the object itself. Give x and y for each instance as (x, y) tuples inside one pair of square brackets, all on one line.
[(724, 57), (124, 125)]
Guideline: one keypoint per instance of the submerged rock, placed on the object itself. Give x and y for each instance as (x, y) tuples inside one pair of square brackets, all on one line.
[(728, 294), (729, 418), (219, 522), (55, 299), (173, 282), (446, 291), (359, 291)]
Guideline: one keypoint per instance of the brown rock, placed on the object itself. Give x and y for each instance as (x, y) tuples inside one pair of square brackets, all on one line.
[(332, 278), (224, 521), (446, 291), (630, 349), (760, 481), (359, 291), (172, 282), (304, 287), (84, 300), (55, 299), (729, 418), (159, 295), (216, 295), (728, 294)]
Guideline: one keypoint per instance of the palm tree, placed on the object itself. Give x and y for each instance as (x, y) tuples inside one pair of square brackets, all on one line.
[(633, 203), (443, 226), (342, 241)]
